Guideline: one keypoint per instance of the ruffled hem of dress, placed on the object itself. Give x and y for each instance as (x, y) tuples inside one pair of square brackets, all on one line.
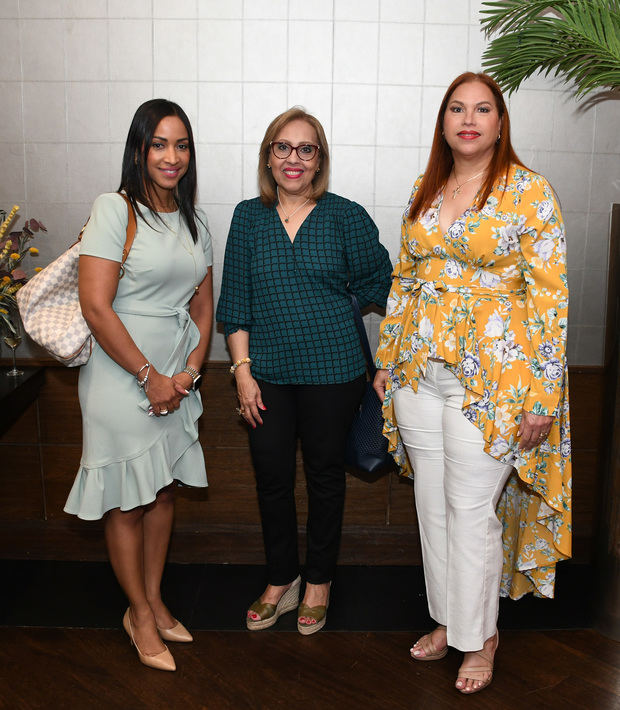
[(134, 482), (537, 520)]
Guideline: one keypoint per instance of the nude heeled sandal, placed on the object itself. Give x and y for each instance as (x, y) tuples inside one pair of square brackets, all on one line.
[(161, 661), (479, 672)]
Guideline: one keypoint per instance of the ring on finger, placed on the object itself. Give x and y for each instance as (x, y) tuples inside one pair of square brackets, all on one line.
[(239, 411), (163, 412)]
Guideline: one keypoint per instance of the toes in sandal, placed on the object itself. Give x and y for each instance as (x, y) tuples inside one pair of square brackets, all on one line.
[(478, 673), (270, 613), (427, 645), (318, 613)]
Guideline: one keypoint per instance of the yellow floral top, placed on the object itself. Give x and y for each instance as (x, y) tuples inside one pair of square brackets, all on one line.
[(490, 297)]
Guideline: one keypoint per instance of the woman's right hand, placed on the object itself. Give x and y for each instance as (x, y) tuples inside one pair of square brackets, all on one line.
[(249, 394), (380, 382), (162, 394)]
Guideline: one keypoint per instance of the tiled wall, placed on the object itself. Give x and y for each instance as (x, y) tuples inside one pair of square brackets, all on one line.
[(72, 73)]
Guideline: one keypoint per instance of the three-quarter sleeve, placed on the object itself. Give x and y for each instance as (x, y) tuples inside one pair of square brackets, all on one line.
[(234, 308), (367, 259), (543, 247)]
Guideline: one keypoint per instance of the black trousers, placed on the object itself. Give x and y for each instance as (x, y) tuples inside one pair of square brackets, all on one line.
[(320, 415)]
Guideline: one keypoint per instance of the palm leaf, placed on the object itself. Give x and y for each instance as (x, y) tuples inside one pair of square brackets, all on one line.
[(580, 41)]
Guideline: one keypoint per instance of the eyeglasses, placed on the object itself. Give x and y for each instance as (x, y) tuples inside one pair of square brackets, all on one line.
[(305, 151)]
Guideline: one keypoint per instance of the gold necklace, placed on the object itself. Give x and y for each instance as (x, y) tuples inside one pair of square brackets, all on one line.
[(288, 216), (188, 248), (456, 191)]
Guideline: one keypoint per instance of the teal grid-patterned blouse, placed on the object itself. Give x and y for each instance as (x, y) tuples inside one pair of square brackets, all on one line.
[(293, 297)]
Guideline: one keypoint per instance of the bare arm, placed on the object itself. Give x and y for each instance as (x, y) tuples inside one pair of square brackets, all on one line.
[(248, 391), (98, 281)]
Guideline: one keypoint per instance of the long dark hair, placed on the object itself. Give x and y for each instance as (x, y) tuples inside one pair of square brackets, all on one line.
[(135, 180), (440, 160)]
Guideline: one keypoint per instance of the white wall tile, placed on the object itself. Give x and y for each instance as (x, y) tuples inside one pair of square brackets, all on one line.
[(87, 112), (573, 125), (116, 164), (261, 104), (216, 9), (219, 113), (175, 50), (316, 99), (250, 169), (607, 120), (576, 224), (531, 119), (41, 8), (606, 182), (354, 114), (13, 191), (84, 8), (594, 297), (400, 54), (88, 171), (219, 172), (131, 50), (47, 63), (315, 10), (46, 172), (353, 172), (44, 111), (86, 50), (265, 50), (569, 173), (179, 9), (58, 236), (575, 283), (124, 99), (265, 9), (477, 46), (447, 12), (441, 66), (474, 11), (388, 220), (591, 344), (431, 101), (219, 217), (130, 8), (309, 51), (596, 251), (355, 52), (11, 117), (356, 10), (396, 171), (397, 115), (402, 10), (9, 9), (220, 50)]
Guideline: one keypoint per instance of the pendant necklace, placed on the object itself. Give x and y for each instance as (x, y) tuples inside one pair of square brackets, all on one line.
[(188, 248), (288, 216), (458, 187)]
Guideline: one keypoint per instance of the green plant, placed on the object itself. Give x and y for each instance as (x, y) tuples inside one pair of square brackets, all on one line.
[(577, 39)]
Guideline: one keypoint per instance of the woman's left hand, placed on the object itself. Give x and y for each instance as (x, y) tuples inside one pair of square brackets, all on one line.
[(533, 430)]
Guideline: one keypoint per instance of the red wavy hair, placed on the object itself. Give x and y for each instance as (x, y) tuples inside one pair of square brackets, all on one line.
[(440, 160)]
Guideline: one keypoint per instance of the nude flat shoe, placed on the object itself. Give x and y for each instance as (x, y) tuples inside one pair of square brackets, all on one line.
[(161, 661), (479, 672), (270, 613), (427, 645), (177, 633)]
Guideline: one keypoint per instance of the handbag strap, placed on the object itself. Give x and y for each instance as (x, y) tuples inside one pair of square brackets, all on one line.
[(359, 323), (129, 234)]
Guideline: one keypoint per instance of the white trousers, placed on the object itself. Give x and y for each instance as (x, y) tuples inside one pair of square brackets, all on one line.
[(457, 486)]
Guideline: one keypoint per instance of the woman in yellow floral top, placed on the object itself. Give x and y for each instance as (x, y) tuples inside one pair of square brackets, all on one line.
[(473, 376)]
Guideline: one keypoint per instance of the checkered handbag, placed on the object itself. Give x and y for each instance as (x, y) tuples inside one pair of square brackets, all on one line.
[(49, 303)]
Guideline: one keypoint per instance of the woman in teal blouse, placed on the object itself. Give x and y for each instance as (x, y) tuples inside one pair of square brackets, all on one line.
[(293, 257)]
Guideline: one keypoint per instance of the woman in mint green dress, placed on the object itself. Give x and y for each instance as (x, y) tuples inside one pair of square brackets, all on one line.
[(139, 390)]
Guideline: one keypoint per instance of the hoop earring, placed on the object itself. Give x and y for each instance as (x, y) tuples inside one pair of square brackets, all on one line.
[(499, 135)]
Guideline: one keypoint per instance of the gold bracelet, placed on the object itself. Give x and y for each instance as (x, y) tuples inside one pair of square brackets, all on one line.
[(243, 361)]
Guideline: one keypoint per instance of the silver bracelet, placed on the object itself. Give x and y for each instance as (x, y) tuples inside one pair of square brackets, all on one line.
[(142, 383)]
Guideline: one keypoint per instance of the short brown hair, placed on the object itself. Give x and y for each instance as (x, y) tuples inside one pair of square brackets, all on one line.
[(266, 183), (440, 160)]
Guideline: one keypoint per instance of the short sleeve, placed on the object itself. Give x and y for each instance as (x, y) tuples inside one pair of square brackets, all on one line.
[(106, 230), (204, 235)]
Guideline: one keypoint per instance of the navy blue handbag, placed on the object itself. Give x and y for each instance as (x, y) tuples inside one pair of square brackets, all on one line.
[(366, 452)]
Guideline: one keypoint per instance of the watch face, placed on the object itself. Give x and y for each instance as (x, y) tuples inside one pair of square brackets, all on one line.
[(197, 382)]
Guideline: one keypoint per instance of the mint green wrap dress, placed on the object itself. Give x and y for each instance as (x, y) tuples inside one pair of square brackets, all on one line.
[(128, 456)]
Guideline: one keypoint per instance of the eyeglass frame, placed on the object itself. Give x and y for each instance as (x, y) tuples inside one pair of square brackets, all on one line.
[(296, 149)]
